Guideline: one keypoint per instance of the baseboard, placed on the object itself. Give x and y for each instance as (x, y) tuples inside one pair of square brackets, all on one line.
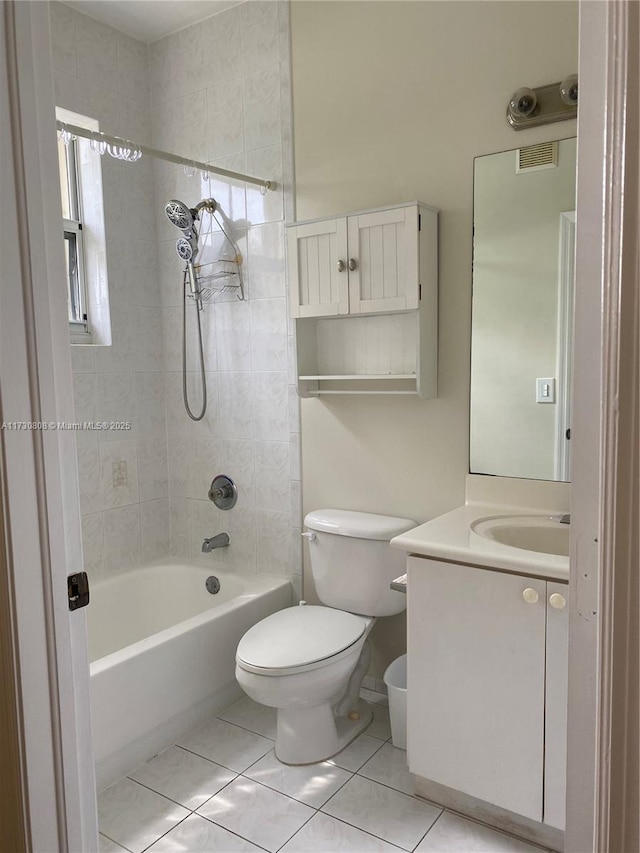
[(493, 816)]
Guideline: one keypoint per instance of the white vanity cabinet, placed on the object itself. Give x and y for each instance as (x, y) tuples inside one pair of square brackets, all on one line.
[(487, 685), (363, 292)]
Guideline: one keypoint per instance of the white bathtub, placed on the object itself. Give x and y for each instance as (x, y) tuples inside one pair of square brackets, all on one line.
[(162, 652)]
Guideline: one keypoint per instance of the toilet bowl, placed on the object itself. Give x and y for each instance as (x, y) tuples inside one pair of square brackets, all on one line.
[(309, 661), (300, 661)]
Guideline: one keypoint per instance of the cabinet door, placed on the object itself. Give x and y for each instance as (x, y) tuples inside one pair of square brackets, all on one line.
[(315, 252), (476, 677), (383, 261), (555, 764)]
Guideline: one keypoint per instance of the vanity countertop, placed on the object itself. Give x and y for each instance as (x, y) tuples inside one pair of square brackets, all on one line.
[(451, 537)]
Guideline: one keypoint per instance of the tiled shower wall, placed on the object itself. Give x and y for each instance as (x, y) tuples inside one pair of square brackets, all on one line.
[(219, 92), (124, 501)]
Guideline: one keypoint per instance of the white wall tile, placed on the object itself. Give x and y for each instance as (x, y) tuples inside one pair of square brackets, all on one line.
[(268, 334), (180, 519), (260, 35), (236, 405), (147, 339), (273, 539), (93, 544), (233, 335), (264, 163), (122, 538), (119, 473), (180, 126), (154, 529), (266, 261), (270, 400), (133, 68), (153, 475), (97, 52), (88, 454), (262, 124), (63, 37), (150, 404), (204, 465), (272, 475)]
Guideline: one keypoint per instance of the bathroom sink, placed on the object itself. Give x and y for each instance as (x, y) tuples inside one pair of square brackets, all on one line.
[(527, 532)]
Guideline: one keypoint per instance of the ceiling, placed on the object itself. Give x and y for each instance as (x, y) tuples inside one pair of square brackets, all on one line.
[(148, 20)]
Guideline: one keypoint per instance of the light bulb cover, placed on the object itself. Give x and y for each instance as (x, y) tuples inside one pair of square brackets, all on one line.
[(569, 90), (523, 102)]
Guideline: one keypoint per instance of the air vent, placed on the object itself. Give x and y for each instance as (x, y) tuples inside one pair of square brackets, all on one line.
[(533, 158)]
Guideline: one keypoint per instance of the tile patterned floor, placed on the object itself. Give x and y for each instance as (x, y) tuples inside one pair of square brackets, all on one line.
[(221, 789)]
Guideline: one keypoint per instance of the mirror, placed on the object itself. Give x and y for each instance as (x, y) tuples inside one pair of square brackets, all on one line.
[(523, 271)]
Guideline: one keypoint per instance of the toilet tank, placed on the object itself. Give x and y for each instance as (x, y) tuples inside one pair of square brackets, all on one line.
[(352, 562)]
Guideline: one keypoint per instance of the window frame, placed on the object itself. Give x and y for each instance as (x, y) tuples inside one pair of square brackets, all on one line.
[(76, 283)]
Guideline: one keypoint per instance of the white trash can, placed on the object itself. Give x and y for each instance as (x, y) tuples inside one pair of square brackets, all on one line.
[(395, 677)]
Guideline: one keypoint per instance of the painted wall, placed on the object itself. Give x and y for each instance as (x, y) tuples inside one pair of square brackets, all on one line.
[(220, 93), (515, 311), (392, 102)]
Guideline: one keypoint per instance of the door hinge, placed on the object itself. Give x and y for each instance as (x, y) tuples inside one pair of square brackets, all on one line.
[(419, 292), (419, 222), (78, 590)]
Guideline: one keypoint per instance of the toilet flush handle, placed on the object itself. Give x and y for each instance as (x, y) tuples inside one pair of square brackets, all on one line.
[(310, 535)]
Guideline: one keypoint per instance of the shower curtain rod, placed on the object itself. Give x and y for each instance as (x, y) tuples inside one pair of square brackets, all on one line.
[(119, 142)]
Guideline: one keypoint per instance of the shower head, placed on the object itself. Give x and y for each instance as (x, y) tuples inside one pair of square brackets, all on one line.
[(179, 214), (185, 249)]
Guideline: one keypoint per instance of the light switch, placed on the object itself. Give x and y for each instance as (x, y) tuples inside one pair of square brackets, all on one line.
[(546, 390)]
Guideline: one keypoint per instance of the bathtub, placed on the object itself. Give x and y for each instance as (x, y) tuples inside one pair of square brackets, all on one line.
[(162, 651)]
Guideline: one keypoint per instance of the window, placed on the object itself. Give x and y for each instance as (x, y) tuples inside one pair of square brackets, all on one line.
[(84, 235), (73, 238)]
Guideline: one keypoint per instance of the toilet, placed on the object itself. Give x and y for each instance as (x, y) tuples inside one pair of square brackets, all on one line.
[(309, 661)]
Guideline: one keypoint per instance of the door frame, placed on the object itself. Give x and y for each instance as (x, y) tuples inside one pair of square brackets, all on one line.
[(45, 642), (51, 698), (603, 716)]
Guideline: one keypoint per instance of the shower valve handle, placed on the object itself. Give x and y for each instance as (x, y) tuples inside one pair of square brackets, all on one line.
[(223, 492)]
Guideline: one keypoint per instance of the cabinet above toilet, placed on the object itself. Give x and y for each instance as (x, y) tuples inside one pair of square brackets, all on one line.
[(365, 299)]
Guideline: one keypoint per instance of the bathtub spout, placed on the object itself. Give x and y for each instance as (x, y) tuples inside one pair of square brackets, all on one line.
[(219, 541)]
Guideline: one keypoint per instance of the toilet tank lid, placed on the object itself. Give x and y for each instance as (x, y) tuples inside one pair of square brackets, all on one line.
[(360, 525)]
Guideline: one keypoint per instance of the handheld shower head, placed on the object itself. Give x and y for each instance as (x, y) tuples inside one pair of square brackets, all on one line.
[(185, 249), (179, 214)]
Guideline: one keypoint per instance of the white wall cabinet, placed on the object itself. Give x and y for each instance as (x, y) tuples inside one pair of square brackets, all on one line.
[(364, 295), (487, 685)]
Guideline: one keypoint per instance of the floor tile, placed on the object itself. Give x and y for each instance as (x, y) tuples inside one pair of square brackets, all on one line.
[(312, 784), (182, 776), (455, 834), (389, 767), (106, 845), (197, 835), (256, 813), (227, 744), (374, 808), (380, 726), (374, 698), (134, 816), (324, 834), (357, 753), (253, 716)]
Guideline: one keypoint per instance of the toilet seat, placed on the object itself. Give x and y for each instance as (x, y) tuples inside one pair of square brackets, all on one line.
[(299, 639)]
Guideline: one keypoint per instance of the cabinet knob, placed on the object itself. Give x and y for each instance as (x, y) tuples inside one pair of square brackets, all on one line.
[(352, 264), (341, 266), (530, 595), (557, 601)]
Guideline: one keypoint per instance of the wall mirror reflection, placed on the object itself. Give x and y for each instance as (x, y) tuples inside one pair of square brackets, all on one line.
[(523, 272)]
